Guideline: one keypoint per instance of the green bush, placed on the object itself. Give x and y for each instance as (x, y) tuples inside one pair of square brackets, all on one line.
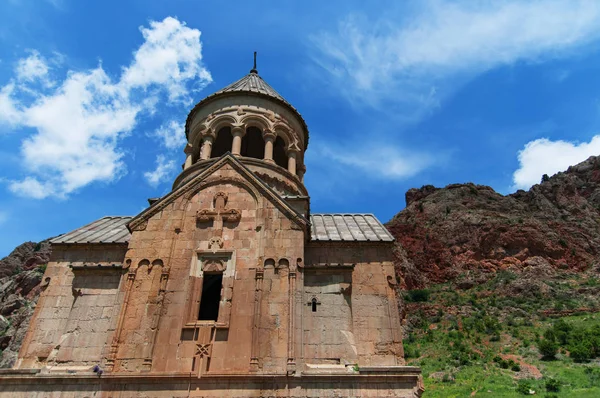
[(593, 375), (552, 385), (580, 351), (523, 387), (548, 348), (447, 378), (561, 331), (417, 295), (411, 352), (515, 367)]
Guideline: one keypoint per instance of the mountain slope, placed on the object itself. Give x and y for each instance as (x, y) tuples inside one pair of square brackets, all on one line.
[(487, 276), (471, 228), (20, 276)]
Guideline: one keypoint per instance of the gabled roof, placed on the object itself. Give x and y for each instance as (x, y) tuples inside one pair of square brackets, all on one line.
[(252, 84), (348, 227), (104, 230), (190, 185), (325, 228)]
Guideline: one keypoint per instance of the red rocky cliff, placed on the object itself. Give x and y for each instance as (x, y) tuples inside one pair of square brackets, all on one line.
[(445, 232)]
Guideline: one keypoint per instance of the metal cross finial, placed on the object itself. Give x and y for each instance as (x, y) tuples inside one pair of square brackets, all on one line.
[(254, 70)]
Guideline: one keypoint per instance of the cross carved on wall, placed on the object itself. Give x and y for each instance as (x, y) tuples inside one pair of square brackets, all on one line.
[(219, 213)]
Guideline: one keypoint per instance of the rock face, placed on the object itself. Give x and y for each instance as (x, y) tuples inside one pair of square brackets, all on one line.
[(468, 228), (20, 276)]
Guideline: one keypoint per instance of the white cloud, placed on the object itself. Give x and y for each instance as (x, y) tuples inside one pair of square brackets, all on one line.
[(79, 124), (30, 187), (378, 160), (445, 43), (162, 172), (3, 217), (33, 68), (9, 114), (543, 156), (171, 134), (170, 56)]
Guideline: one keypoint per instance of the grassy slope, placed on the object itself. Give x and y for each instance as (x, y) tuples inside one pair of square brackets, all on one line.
[(456, 334)]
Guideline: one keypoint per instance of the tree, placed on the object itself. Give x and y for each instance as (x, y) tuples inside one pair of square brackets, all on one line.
[(548, 346)]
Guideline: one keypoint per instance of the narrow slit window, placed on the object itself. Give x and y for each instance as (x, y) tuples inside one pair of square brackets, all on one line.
[(211, 297), (314, 305)]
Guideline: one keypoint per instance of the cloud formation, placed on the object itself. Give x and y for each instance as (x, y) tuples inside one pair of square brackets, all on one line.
[(162, 172), (171, 134), (543, 156), (32, 68), (170, 57), (415, 64), (78, 123), (379, 159)]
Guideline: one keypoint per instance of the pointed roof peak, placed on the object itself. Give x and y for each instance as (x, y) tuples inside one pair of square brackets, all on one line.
[(251, 84), (254, 70)]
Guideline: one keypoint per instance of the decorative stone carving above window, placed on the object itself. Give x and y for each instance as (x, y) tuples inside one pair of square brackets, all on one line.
[(214, 265), (215, 260), (215, 244)]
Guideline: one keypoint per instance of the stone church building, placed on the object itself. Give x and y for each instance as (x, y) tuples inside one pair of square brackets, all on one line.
[(228, 286)]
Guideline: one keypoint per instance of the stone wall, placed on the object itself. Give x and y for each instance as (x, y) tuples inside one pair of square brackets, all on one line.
[(403, 384), (73, 319), (371, 296)]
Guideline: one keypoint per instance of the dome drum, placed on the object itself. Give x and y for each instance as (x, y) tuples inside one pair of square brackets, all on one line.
[(247, 132)]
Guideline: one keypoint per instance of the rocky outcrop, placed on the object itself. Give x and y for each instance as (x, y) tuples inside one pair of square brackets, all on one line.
[(466, 228), (20, 276)]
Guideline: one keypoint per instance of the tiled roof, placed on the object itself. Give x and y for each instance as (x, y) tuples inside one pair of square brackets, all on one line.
[(252, 82), (104, 230), (348, 227), (325, 227)]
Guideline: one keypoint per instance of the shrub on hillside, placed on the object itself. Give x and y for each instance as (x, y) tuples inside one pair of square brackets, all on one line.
[(548, 348), (411, 352), (417, 295), (561, 331), (552, 385), (524, 387), (580, 351)]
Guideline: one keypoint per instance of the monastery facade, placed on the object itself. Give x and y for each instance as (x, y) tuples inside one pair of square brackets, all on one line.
[(228, 286)]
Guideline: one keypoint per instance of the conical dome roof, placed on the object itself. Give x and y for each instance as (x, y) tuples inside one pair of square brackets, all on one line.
[(251, 84)]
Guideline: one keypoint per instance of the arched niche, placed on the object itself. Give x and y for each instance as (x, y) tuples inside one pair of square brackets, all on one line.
[(223, 143), (279, 155), (283, 263), (253, 144), (269, 263)]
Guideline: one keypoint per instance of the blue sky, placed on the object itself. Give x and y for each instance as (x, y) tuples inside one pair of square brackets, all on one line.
[(93, 97)]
